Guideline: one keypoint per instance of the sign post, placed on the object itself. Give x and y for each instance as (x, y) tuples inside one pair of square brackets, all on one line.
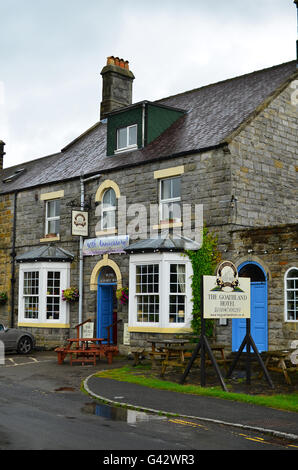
[(225, 296), (204, 346), (249, 342)]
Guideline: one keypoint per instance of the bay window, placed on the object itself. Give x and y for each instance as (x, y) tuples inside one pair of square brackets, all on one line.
[(40, 294), (160, 291)]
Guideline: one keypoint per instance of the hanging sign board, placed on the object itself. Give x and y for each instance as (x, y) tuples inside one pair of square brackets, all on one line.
[(225, 295), (79, 223), (105, 245)]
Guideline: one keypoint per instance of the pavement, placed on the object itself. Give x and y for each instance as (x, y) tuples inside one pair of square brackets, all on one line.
[(282, 424)]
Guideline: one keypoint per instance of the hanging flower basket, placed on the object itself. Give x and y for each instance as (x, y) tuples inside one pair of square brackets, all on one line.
[(122, 295), (71, 294), (3, 298)]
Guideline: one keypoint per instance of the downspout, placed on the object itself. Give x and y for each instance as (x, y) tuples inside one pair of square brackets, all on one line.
[(13, 256), (296, 2), (143, 124), (81, 255)]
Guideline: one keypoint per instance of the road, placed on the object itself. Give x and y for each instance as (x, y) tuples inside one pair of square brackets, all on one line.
[(43, 408)]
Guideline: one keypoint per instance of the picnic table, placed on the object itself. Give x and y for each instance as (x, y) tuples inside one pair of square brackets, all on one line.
[(279, 361), (87, 349), (166, 349), (172, 352), (84, 350), (177, 353)]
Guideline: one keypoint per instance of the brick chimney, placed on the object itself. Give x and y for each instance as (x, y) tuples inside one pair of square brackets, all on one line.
[(2, 153), (116, 85)]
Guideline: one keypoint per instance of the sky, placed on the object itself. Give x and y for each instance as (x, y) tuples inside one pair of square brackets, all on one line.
[(52, 53)]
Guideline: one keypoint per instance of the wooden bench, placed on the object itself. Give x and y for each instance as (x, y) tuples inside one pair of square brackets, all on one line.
[(175, 356), (82, 356), (62, 353), (138, 354), (279, 361)]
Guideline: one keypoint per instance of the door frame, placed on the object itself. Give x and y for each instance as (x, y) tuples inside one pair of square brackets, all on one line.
[(242, 265), (99, 302)]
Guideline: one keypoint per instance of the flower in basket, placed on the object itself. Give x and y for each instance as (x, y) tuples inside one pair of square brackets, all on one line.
[(71, 294), (3, 298), (122, 295)]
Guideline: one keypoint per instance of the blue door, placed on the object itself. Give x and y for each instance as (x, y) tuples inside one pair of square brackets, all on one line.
[(259, 320), (104, 309)]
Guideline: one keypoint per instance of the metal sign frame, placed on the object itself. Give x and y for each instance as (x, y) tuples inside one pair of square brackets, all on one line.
[(204, 346)]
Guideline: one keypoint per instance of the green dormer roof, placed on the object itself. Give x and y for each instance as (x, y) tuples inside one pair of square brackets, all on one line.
[(151, 119)]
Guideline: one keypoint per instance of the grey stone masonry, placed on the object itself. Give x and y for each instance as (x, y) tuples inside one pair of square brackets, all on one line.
[(264, 165)]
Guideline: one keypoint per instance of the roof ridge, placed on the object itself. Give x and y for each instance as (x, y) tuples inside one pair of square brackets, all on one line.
[(9, 168), (226, 80)]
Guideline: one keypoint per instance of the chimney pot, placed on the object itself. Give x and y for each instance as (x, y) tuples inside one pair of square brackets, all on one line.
[(111, 60)]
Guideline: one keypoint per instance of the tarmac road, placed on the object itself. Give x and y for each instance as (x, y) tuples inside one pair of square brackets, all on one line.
[(43, 408)]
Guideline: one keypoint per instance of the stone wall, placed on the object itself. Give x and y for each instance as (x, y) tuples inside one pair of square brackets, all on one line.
[(275, 249), (264, 165)]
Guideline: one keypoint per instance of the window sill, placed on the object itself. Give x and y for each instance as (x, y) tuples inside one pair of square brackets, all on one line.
[(109, 231), (126, 149), (167, 225), (53, 238)]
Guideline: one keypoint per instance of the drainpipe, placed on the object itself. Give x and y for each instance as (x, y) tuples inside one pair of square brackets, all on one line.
[(143, 123), (296, 2), (13, 256), (81, 258)]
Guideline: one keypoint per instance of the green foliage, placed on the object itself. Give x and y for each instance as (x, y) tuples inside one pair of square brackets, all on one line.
[(204, 262), (3, 298)]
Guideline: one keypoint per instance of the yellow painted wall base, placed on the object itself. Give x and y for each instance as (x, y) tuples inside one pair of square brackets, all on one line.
[(152, 329), (45, 325)]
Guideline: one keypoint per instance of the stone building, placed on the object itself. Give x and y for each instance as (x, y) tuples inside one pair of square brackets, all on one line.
[(230, 147)]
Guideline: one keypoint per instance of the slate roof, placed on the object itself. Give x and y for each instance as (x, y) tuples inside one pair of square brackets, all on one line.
[(213, 112), (45, 253), (164, 242)]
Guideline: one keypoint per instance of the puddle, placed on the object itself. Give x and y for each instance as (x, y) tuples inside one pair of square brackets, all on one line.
[(118, 414), (65, 389)]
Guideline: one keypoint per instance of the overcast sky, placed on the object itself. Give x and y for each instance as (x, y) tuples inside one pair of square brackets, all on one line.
[(52, 52)]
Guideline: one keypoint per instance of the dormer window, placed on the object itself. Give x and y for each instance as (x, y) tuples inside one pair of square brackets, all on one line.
[(127, 138)]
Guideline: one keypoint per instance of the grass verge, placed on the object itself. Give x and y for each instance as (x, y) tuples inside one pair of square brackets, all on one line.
[(288, 402)]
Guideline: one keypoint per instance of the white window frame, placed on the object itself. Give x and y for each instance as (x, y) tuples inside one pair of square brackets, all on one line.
[(51, 219), (286, 290), (168, 200), (109, 209), (43, 268), (164, 260), (127, 147)]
